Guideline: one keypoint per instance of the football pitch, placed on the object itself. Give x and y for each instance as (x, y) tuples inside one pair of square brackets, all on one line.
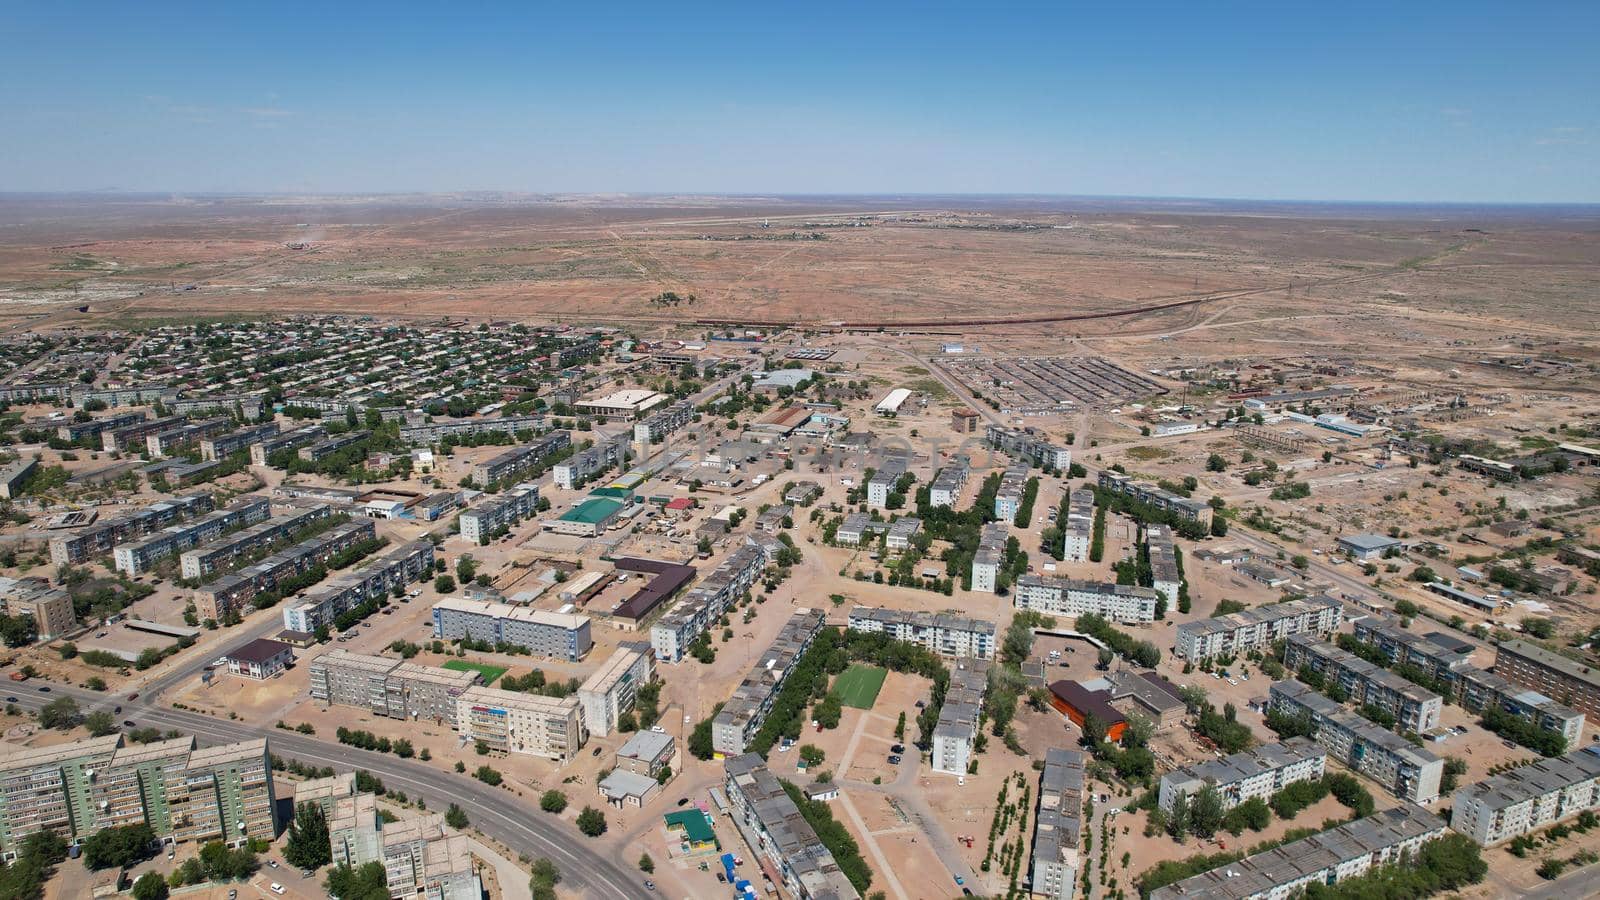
[(490, 674), (858, 685)]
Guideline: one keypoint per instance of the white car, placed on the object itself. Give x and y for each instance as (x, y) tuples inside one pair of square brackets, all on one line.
[(276, 888), (658, 729)]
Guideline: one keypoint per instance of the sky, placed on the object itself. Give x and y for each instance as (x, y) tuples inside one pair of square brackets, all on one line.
[(1402, 102)]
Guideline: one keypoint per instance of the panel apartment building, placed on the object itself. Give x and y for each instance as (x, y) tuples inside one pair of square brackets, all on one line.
[(1077, 532), (1056, 596), (138, 556), (542, 633), (203, 560), (1008, 497), (947, 633), (1259, 627), (1528, 798), (579, 467), (131, 437), (387, 687), (1414, 708), (420, 857), (513, 722), (741, 717), (232, 591), (663, 423), (222, 793), (182, 437), (946, 487), (1182, 507), (225, 445), (614, 687), (1404, 770), (86, 543), (434, 432), (50, 606), (507, 509), (774, 827), (672, 634), (1058, 826), (1165, 578), (990, 555), (323, 603), (956, 732), (1348, 851), (517, 460), (1567, 680), (883, 480), (78, 431), (1256, 773), (305, 436), (1027, 444)]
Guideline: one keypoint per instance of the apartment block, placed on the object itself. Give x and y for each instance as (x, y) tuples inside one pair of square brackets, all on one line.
[(1258, 627), (989, 557), (1013, 487), (1528, 798), (1058, 596), (504, 509), (511, 722), (947, 633), (323, 603), (182, 437), (206, 559), (51, 789), (132, 437), (436, 431), (50, 606), (517, 460), (1165, 578), (1257, 773), (1030, 446), (1077, 532), (14, 475), (225, 445), (332, 444), (1348, 851), (1404, 770), (542, 633), (1438, 655), (1183, 507), (1058, 825), (581, 466), (77, 431), (138, 556), (883, 480), (741, 717), (946, 487), (658, 425), (128, 395), (614, 687), (1569, 681), (267, 447), (901, 531), (956, 731), (421, 858), (772, 824), (1414, 708), (233, 591), (704, 603), (389, 687), (247, 405)]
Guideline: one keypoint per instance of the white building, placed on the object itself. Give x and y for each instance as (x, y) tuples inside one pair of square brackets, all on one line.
[(1528, 798), (1056, 596), (1401, 768), (990, 555), (890, 405), (1256, 773), (946, 633), (1058, 826), (613, 688), (514, 722), (1258, 627), (1078, 529)]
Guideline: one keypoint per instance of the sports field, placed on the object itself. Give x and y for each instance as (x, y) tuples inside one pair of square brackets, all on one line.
[(491, 674), (858, 685)]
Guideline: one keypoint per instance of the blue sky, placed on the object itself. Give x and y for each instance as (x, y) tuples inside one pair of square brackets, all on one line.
[(1469, 102)]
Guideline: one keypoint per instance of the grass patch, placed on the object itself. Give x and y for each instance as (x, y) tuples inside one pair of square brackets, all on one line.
[(490, 674), (1145, 454), (933, 387), (858, 685)]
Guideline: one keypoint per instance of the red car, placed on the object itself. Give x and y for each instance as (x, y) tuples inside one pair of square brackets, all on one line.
[(133, 696)]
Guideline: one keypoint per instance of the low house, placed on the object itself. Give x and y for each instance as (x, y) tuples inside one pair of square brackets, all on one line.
[(260, 659), (623, 789)]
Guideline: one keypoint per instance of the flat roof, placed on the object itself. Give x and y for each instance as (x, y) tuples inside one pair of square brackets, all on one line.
[(1571, 668), (507, 611)]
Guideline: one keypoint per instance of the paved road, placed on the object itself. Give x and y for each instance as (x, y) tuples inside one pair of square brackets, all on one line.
[(494, 811), (1583, 883)]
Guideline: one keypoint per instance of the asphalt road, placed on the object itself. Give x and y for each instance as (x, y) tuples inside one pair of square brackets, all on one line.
[(494, 811)]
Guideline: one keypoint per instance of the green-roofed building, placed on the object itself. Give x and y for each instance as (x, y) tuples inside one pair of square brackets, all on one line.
[(588, 518), (696, 828), (614, 492)]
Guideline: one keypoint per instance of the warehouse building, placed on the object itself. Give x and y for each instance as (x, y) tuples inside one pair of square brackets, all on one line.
[(588, 519), (542, 633), (1256, 628), (1404, 770), (741, 717)]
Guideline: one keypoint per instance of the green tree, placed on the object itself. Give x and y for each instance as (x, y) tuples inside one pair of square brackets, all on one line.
[(307, 846), (150, 886), (61, 714), (646, 864), (455, 816), (592, 822), (100, 723), (553, 801), (369, 882), (542, 883), (119, 846)]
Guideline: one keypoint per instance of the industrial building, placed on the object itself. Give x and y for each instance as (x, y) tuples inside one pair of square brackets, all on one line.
[(1364, 547), (1347, 851), (1058, 826), (946, 633), (589, 518), (891, 403), (556, 635), (613, 688), (1258, 627), (1414, 708), (1056, 596), (1401, 768), (1527, 798), (514, 722), (1257, 773), (776, 829), (741, 717)]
